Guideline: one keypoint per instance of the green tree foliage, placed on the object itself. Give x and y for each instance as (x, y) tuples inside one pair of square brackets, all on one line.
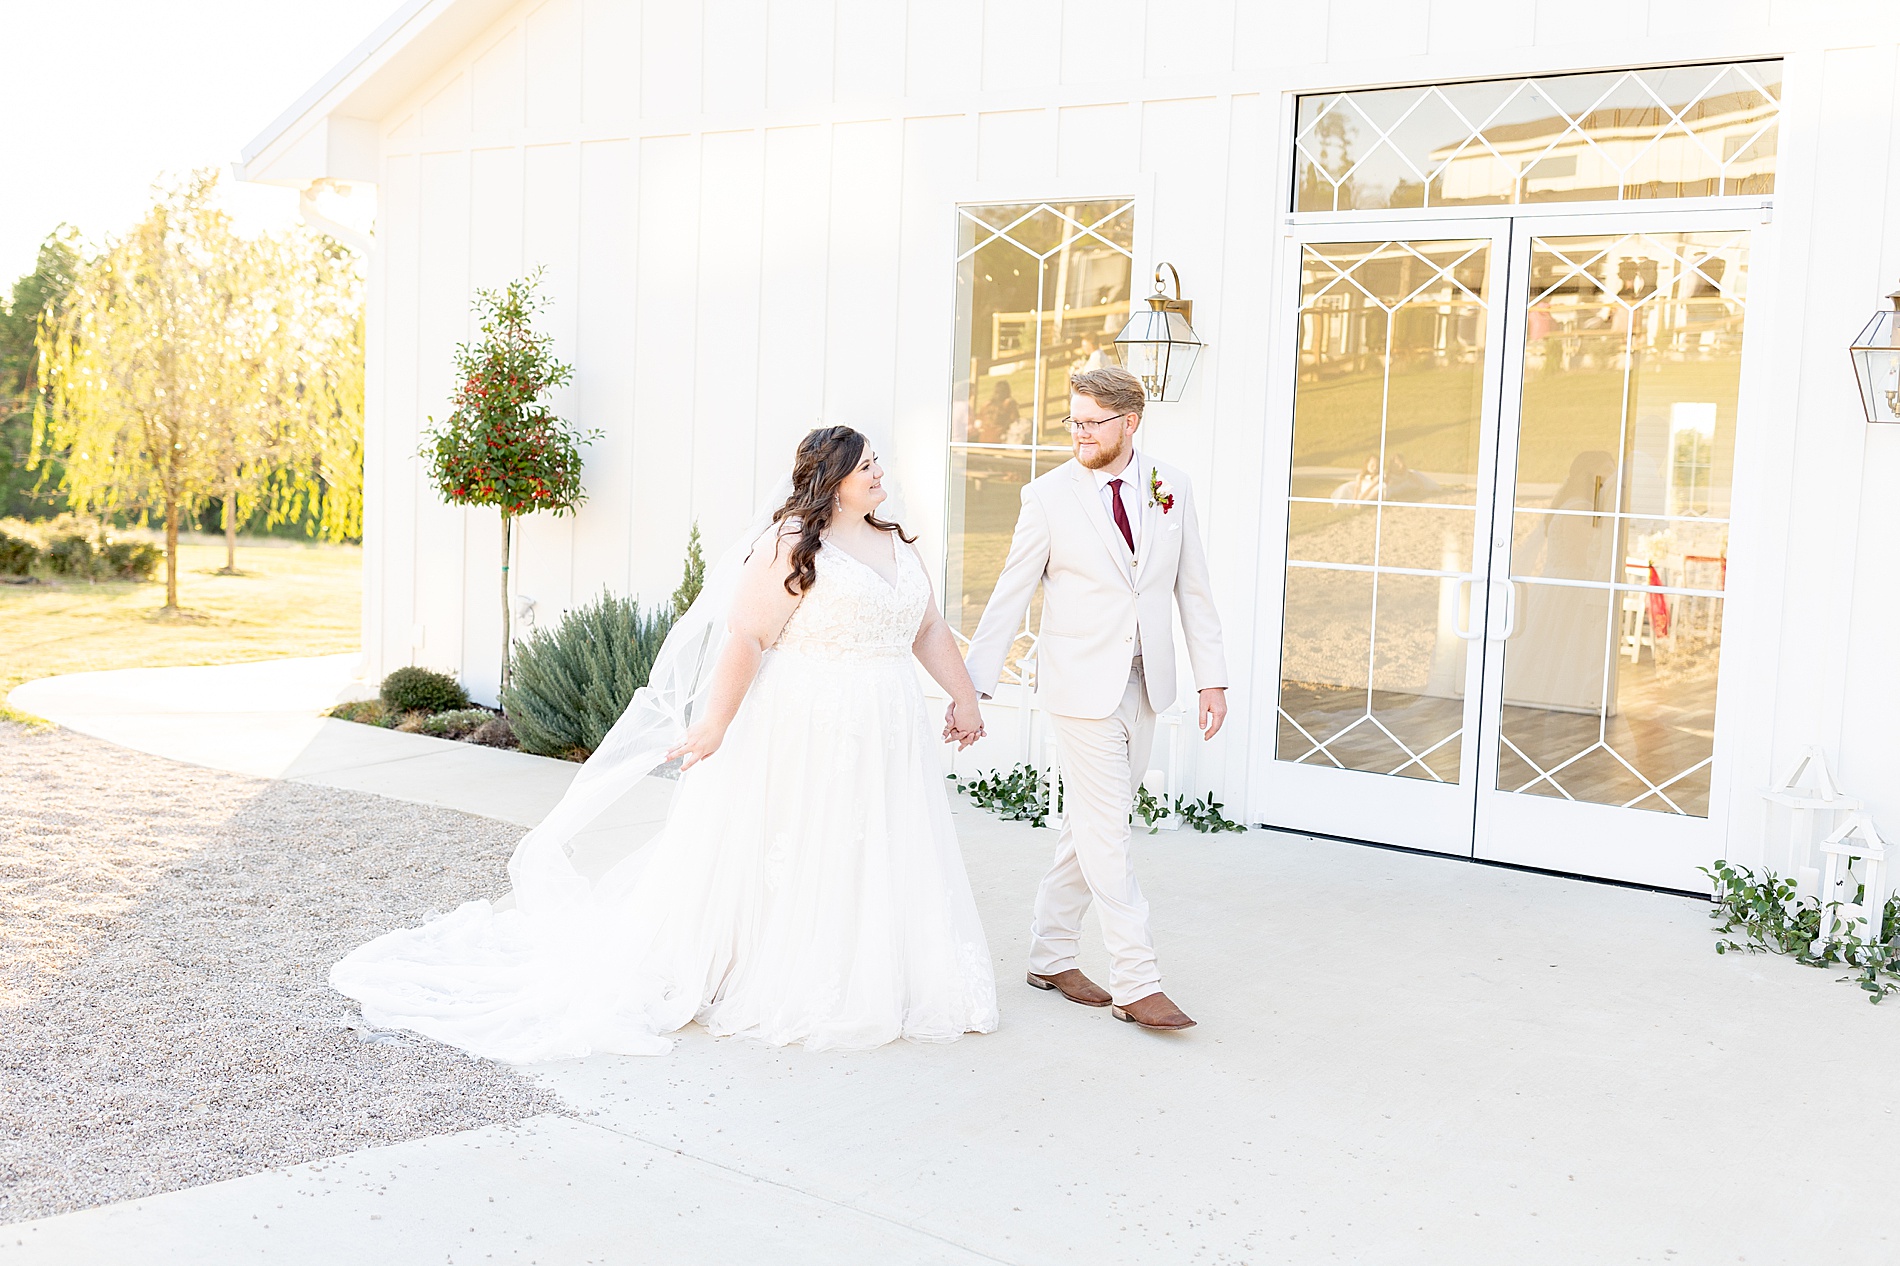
[(287, 441), (501, 444), (188, 363), (29, 490), (572, 684), (314, 476)]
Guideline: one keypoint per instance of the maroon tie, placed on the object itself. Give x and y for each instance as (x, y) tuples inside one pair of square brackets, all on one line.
[(1121, 515)]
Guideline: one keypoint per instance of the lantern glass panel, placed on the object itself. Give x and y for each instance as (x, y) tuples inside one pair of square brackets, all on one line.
[(1877, 367), (1159, 348), (1180, 363)]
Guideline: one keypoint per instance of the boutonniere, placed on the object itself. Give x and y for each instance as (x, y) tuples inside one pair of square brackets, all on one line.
[(1159, 493)]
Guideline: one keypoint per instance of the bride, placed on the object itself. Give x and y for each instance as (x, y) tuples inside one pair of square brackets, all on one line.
[(807, 885)]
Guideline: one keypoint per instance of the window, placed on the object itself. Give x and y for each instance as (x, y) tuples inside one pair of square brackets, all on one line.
[(1042, 289), (1668, 132)]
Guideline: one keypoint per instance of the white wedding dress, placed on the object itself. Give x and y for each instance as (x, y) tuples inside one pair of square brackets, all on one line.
[(807, 885)]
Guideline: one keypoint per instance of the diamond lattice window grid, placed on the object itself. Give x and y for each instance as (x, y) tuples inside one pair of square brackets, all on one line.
[(1356, 690), (1661, 300), (1664, 132)]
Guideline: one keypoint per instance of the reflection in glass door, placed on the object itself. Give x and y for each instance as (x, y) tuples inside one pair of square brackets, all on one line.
[(1042, 288), (1620, 456), (1625, 457), (1379, 527), (1507, 543), (1390, 482)]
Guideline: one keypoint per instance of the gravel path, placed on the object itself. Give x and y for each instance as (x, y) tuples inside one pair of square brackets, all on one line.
[(165, 933)]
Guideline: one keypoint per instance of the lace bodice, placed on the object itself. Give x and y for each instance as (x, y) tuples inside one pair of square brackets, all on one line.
[(853, 613)]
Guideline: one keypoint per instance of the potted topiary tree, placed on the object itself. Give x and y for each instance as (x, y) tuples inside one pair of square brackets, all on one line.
[(501, 445)]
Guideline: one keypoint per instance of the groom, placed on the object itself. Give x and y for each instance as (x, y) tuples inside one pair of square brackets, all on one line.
[(1113, 540)]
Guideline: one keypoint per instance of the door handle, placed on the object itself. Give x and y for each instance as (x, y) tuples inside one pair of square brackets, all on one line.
[(1510, 608), (1458, 625)]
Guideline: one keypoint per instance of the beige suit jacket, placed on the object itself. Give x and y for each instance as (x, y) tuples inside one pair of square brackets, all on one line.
[(1096, 595)]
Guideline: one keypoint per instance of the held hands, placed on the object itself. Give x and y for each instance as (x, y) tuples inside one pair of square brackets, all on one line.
[(702, 740), (1213, 710), (963, 724)]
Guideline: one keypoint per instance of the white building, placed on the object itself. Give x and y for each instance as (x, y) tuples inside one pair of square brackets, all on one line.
[(1543, 515)]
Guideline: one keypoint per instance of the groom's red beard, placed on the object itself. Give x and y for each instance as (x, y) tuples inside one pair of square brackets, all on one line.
[(1100, 454)]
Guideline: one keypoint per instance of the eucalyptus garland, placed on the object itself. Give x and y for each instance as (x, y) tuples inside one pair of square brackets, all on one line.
[(1022, 795), (1774, 919)]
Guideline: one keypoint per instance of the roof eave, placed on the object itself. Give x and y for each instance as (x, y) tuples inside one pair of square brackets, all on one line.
[(333, 130)]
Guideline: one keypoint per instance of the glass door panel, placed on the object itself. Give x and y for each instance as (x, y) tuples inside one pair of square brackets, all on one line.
[(1389, 478), (1506, 565), (1620, 461), (1625, 455), (1387, 423)]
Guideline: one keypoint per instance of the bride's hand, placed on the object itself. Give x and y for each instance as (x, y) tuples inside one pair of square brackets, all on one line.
[(701, 741), (964, 724)]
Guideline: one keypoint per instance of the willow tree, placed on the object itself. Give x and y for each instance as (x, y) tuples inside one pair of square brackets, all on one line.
[(303, 416), (190, 363), (240, 426), (136, 364)]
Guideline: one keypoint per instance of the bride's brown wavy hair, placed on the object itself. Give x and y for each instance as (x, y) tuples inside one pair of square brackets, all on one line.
[(825, 459)]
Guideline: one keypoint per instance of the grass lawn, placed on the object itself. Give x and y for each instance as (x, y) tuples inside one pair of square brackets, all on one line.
[(290, 599)]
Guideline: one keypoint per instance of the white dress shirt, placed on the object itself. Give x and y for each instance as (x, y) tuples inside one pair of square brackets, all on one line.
[(1131, 503)]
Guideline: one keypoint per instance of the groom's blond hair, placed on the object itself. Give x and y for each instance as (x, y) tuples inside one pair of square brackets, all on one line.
[(1112, 387)]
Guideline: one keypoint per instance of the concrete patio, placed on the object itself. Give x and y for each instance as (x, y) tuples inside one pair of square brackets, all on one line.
[(1401, 1059)]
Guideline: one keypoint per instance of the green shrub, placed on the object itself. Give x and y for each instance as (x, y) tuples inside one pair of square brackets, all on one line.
[(75, 547), (458, 724), (366, 712), (128, 560), (70, 554), (572, 684), (422, 690), (17, 555)]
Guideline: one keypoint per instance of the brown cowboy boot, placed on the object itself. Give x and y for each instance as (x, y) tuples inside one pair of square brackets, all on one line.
[(1154, 1012), (1074, 986)]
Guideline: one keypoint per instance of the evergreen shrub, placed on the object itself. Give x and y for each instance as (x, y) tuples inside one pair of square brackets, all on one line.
[(422, 690), (70, 554), (17, 555), (570, 685), (128, 560), (75, 547)]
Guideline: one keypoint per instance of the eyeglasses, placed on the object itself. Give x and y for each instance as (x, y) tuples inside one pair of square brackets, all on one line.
[(1076, 424)]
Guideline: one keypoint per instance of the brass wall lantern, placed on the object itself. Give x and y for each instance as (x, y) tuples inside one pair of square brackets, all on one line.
[(1876, 353), (1159, 346)]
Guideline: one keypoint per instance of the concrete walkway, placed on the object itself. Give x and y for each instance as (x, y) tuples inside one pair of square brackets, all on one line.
[(265, 719), (1401, 1059)]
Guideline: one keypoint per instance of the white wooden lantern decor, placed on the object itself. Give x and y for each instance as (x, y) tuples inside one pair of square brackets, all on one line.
[(1813, 800), (1856, 845)]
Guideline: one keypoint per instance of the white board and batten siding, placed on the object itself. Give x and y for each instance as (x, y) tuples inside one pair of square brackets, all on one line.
[(745, 210)]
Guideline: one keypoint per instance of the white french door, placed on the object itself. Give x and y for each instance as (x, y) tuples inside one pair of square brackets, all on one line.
[(1506, 556)]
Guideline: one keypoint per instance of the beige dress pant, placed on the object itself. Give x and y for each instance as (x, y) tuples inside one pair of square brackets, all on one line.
[(1102, 763)]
